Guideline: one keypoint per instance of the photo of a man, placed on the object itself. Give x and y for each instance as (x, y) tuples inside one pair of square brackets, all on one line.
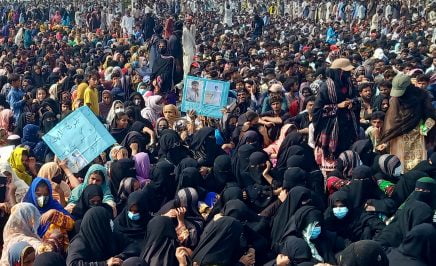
[(213, 93), (194, 92)]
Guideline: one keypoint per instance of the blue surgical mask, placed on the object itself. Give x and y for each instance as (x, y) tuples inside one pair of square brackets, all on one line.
[(142, 91), (316, 231), (134, 216), (340, 212)]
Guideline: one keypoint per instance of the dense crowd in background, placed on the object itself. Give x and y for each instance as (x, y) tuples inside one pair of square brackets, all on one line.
[(324, 155)]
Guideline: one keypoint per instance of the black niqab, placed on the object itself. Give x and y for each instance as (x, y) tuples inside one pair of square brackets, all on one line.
[(220, 243), (160, 242)]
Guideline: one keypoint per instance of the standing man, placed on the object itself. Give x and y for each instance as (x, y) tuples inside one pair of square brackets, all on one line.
[(127, 23), (188, 41)]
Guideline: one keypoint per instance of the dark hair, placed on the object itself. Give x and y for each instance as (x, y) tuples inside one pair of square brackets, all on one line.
[(93, 74), (275, 99), (250, 115), (378, 115), (423, 78), (100, 173), (13, 77), (364, 85), (385, 83), (311, 98)]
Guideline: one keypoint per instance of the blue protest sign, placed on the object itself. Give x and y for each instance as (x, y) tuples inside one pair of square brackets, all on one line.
[(207, 97), (79, 138)]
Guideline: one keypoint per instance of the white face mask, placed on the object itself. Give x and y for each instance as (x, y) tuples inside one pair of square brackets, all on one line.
[(398, 171), (119, 110), (41, 201)]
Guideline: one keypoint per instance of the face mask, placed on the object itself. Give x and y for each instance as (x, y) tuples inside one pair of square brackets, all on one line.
[(42, 200), (340, 212), (142, 91), (397, 171), (134, 216), (162, 50), (316, 231), (119, 110)]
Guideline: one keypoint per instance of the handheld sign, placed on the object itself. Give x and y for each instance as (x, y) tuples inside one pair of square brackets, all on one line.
[(207, 97), (79, 138)]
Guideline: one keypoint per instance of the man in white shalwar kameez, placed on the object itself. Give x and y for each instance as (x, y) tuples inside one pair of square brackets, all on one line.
[(127, 23), (188, 42)]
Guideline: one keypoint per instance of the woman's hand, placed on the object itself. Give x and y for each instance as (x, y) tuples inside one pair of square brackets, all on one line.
[(181, 254), (181, 214), (4, 206), (248, 259), (47, 216), (344, 104), (282, 260), (114, 261), (267, 169), (171, 213)]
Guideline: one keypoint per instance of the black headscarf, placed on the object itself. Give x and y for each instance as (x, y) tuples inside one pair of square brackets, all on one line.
[(361, 187), (49, 102), (363, 253), (230, 192), (240, 164), (297, 250), (293, 138), (83, 205), (204, 146), (134, 261), (314, 177), (48, 121), (160, 242), (417, 247), (365, 150), (299, 221), (355, 225), (134, 230), (190, 177), (121, 169), (293, 202), (237, 209), (171, 148), (257, 164), (187, 162), (135, 137), (49, 259), (222, 173), (23, 120), (163, 183), (415, 213), (219, 243), (294, 176), (95, 241), (406, 185)]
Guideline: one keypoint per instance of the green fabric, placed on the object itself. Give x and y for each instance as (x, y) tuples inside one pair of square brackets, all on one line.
[(77, 192), (384, 185)]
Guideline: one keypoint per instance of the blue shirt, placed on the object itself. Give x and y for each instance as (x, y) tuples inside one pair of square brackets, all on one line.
[(15, 100)]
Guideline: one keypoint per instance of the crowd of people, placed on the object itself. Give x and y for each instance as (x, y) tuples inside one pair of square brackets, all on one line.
[(324, 155)]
